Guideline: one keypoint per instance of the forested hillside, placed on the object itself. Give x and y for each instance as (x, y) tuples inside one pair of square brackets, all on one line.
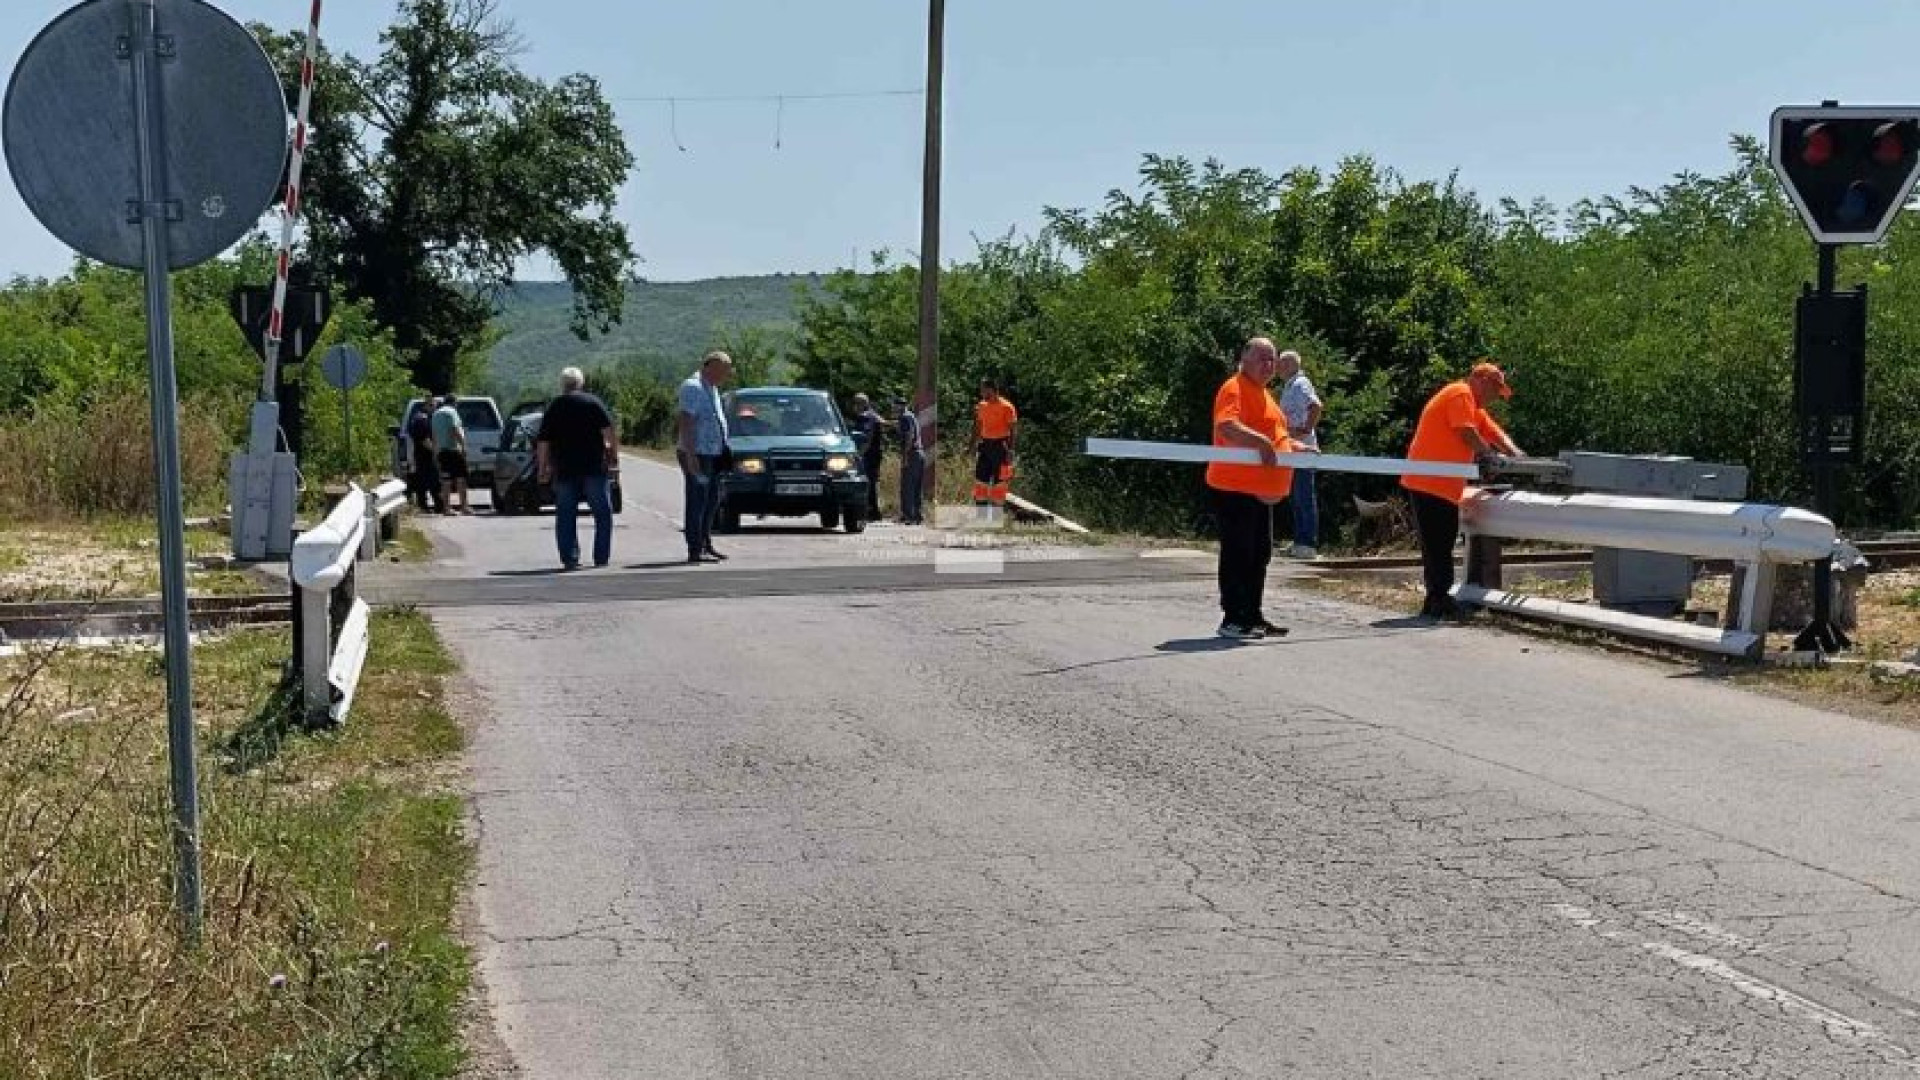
[(665, 328)]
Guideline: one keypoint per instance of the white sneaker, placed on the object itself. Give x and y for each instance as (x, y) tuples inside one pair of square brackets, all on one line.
[(1302, 551)]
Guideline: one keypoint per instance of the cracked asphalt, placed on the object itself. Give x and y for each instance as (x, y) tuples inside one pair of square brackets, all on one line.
[(1056, 830)]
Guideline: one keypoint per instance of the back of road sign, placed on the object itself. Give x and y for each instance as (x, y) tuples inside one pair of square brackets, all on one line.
[(70, 121)]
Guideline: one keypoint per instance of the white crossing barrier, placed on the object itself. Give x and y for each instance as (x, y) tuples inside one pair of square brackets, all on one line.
[(1196, 453), (1757, 537)]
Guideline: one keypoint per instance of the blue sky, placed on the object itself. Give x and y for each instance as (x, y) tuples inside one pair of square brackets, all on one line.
[(1053, 102)]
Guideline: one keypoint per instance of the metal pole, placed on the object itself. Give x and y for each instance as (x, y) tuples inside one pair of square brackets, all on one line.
[(154, 210), (346, 420), (1823, 636), (927, 394)]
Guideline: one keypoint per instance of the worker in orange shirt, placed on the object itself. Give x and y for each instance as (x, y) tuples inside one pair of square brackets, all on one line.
[(1454, 427), (995, 422), (1245, 414)]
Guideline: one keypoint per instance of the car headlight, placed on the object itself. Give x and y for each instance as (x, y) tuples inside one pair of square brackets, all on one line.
[(752, 466), (840, 463)]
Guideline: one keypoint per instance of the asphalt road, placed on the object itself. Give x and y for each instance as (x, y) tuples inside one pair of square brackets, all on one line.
[(1048, 827)]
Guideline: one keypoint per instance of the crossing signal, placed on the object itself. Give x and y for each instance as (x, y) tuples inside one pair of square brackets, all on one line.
[(1849, 169)]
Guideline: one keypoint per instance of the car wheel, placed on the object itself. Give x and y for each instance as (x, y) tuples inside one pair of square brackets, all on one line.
[(856, 520), (527, 501), (504, 502), (729, 519), (830, 518)]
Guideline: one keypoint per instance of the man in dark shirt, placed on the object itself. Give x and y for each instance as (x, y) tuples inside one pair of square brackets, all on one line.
[(873, 447), (913, 464), (576, 451), (424, 480)]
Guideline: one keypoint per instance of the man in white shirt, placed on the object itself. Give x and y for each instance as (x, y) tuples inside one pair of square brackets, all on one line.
[(701, 447), (1301, 405)]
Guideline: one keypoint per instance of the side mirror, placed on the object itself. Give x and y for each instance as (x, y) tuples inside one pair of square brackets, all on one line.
[(393, 431), (860, 440)]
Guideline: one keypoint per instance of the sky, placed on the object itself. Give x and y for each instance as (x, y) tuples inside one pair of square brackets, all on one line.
[(1054, 102)]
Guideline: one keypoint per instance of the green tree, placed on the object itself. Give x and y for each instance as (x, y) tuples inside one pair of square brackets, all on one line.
[(436, 167)]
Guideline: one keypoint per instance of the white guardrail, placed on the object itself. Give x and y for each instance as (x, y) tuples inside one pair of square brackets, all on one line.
[(331, 621), (383, 524), (1757, 537)]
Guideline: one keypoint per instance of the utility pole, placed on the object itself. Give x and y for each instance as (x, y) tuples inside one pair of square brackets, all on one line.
[(926, 396)]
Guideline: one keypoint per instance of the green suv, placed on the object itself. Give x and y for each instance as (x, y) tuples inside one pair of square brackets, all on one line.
[(792, 457)]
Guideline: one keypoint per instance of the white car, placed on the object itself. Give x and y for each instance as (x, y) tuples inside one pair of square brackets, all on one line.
[(479, 415)]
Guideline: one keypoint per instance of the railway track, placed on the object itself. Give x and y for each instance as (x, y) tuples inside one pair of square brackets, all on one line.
[(135, 618)]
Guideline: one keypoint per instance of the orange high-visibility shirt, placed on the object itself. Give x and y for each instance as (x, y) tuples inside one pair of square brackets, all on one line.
[(1437, 438), (1246, 400), (995, 418)]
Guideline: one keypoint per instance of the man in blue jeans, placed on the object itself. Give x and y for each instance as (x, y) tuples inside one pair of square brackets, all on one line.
[(701, 447), (1302, 407), (576, 451)]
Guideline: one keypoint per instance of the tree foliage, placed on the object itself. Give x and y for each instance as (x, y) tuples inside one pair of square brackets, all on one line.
[(1655, 322), (436, 167)]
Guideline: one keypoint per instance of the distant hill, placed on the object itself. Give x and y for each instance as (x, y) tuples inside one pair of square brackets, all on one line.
[(665, 325)]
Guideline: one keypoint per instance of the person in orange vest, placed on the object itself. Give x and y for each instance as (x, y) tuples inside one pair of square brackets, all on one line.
[(1454, 427), (995, 423), (1246, 414)]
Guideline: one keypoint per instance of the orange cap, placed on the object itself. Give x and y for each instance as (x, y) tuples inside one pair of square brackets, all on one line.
[(1486, 370)]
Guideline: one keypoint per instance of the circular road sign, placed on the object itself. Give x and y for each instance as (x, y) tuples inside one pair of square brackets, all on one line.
[(344, 367), (70, 127)]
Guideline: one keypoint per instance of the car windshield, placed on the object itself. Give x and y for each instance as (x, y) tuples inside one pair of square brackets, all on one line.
[(525, 427), (477, 414), (798, 414)]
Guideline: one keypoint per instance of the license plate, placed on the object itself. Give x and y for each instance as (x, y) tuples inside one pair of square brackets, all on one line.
[(797, 489)]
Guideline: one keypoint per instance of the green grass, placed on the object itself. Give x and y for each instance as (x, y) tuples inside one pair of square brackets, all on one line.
[(332, 864), (413, 545)]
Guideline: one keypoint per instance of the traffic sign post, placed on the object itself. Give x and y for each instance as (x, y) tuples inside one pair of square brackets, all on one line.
[(266, 528), (148, 134), (1848, 171), (305, 316), (345, 367)]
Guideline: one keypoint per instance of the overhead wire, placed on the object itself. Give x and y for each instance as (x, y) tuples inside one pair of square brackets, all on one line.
[(779, 99)]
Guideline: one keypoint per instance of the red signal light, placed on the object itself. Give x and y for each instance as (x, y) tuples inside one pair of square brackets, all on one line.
[(1888, 145), (1816, 145)]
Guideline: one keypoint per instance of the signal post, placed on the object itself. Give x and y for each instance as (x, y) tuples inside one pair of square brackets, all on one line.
[(1848, 171)]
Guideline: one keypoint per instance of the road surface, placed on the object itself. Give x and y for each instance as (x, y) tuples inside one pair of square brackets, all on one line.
[(886, 822)]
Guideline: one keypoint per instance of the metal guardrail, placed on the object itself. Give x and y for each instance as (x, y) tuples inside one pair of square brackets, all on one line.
[(1757, 538), (383, 520), (330, 621)]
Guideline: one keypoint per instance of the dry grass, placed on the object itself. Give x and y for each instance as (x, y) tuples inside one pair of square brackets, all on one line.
[(111, 557), (331, 868), (65, 461)]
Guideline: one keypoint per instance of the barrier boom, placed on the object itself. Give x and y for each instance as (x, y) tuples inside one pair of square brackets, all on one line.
[(1241, 455)]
